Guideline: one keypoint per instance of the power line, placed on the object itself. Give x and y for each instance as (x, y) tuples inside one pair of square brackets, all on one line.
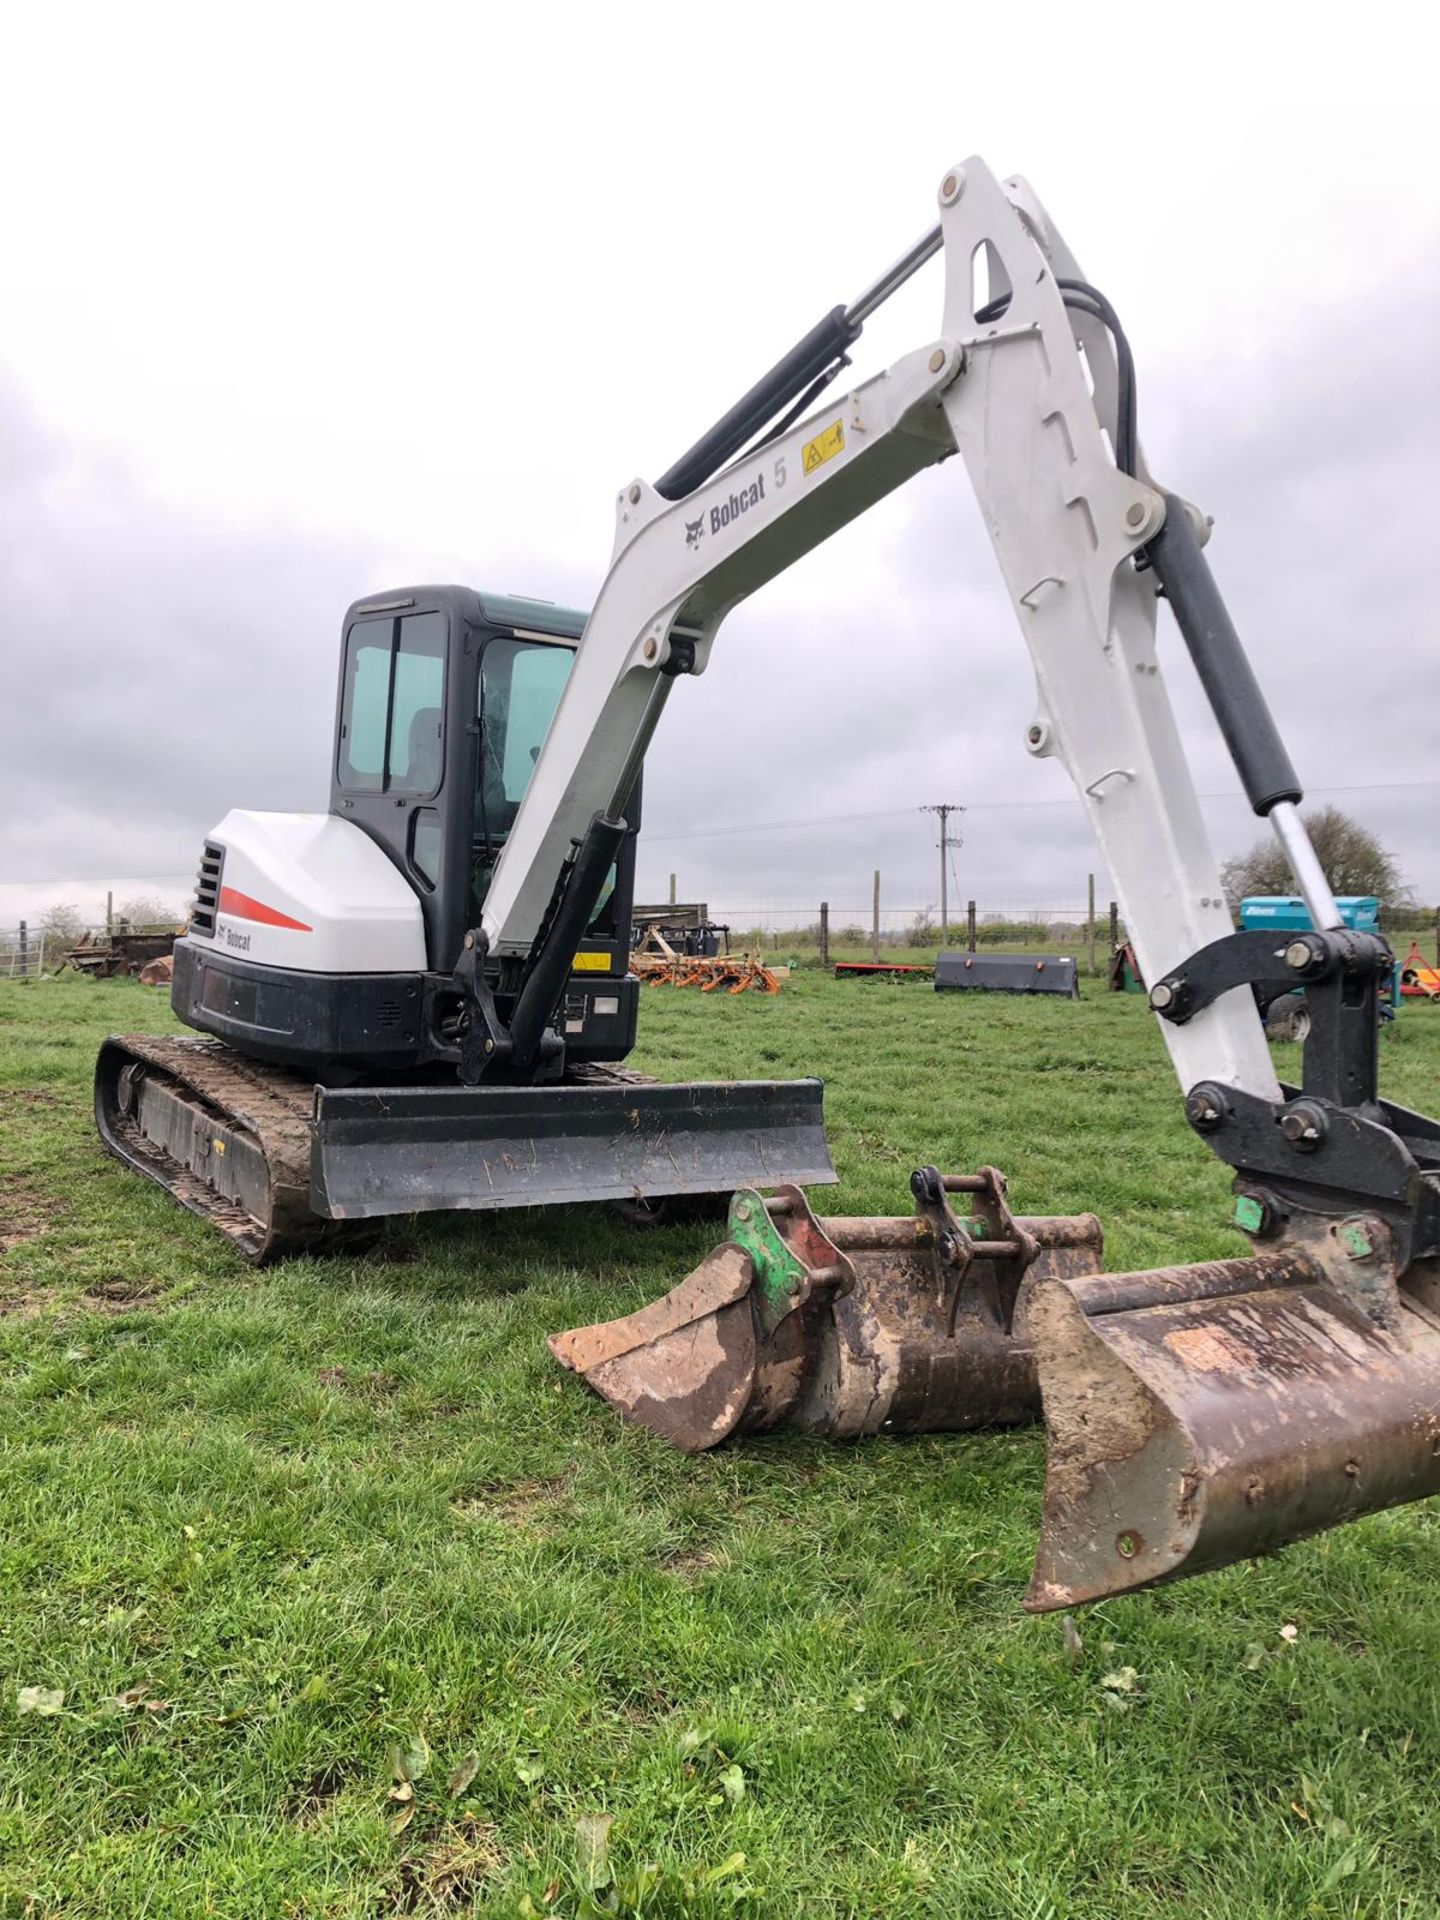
[(1002, 806), (795, 825), (777, 826)]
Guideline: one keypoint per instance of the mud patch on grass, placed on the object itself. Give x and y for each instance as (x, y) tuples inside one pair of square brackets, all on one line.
[(309, 1802), (26, 1214), (519, 1503), (376, 1384), (120, 1294), (26, 1304), (690, 1564), (450, 1876)]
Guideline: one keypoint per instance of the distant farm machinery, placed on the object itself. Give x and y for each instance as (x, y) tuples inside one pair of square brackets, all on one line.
[(682, 957), (1418, 979)]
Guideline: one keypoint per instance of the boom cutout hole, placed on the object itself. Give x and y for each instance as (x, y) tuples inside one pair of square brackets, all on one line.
[(989, 282)]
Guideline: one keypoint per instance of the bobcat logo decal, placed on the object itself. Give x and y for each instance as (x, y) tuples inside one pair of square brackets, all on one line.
[(693, 531)]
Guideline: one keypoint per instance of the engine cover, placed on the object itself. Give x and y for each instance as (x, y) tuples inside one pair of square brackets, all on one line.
[(306, 892)]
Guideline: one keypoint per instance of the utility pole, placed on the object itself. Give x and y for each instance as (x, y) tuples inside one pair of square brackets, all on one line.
[(946, 843)]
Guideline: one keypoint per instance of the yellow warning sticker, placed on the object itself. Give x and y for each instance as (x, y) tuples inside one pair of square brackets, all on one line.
[(591, 963), (823, 447)]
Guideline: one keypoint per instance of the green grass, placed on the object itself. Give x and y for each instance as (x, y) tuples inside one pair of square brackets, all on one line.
[(333, 1513)]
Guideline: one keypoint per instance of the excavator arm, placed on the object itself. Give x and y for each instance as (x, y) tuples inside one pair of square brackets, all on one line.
[(1008, 391), (1196, 1414)]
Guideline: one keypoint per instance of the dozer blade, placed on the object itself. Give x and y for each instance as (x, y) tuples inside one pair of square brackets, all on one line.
[(1199, 1415), (840, 1326), (382, 1150)]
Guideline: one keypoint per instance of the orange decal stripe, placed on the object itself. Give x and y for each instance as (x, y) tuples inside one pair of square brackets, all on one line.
[(239, 904)]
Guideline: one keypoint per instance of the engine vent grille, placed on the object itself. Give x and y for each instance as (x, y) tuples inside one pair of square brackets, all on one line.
[(207, 891), (387, 1014)]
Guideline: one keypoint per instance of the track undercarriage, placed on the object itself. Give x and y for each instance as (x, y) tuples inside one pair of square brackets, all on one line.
[(227, 1137), (281, 1165)]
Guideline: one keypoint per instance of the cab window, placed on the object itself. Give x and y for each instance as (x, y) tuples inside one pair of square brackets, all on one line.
[(392, 712), (520, 686)]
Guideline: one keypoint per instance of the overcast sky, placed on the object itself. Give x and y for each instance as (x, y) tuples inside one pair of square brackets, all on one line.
[(297, 303)]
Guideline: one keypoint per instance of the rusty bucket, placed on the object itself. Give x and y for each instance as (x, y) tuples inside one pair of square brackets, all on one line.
[(1200, 1415), (842, 1326)]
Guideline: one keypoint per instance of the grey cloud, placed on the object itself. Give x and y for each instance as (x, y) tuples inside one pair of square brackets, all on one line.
[(160, 666)]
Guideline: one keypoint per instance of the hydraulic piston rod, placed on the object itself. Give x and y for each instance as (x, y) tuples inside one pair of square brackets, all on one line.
[(891, 281), (1265, 768), (809, 364)]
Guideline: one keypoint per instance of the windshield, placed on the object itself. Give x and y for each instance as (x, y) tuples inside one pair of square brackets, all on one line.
[(520, 686)]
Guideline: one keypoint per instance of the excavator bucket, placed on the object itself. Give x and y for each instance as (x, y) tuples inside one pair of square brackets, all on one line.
[(1201, 1415), (1197, 1415), (840, 1326)]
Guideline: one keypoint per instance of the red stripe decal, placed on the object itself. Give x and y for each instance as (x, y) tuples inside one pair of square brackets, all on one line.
[(244, 908)]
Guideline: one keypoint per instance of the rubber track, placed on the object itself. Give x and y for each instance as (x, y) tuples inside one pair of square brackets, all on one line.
[(275, 1106), (270, 1103)]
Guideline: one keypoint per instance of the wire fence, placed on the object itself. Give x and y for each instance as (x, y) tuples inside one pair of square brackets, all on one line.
[(895, 917), (29, 951), (849, 925), (848, 921)]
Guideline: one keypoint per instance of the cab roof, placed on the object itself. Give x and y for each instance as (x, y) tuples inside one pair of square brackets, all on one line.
[(495, 609), (512, 610)]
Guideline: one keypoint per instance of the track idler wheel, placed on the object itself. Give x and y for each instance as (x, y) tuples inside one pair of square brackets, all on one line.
[(841, 1326)]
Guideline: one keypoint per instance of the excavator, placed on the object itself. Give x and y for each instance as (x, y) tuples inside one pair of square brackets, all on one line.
[(419, 999)]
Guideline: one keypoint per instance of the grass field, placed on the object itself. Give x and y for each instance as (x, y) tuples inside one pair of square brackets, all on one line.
[(344, 1601)]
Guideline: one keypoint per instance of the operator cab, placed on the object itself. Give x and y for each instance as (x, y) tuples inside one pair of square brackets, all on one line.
[(305, 950), (446, 696)]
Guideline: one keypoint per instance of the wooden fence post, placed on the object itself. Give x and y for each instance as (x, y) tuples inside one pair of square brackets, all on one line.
[(970, 926), (824, 933), (1090, 926), (1114, 925), (875, 921)]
